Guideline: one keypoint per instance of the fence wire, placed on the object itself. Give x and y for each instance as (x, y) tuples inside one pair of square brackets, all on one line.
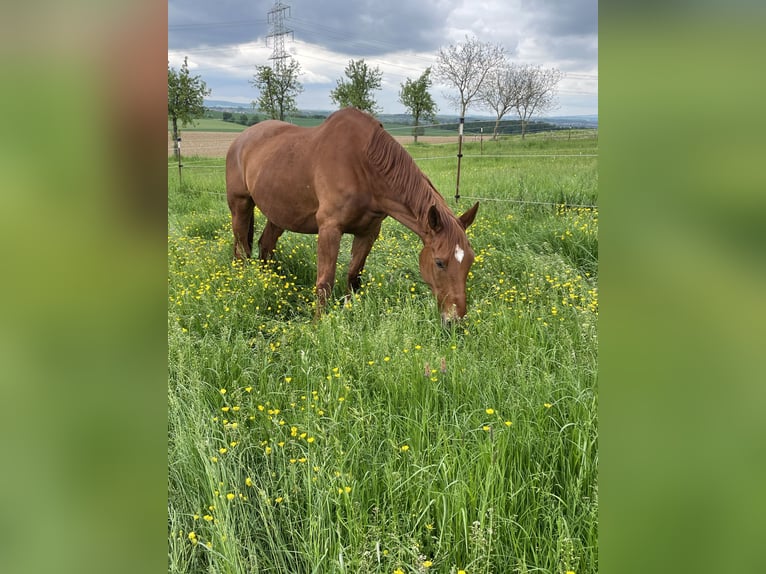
[(554, 134)]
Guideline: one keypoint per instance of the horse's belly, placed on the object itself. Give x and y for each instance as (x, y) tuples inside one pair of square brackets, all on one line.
[(289, 208)]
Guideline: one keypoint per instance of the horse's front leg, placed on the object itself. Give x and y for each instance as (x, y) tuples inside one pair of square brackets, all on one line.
[(328, 245), (268, 240), (360, 249)]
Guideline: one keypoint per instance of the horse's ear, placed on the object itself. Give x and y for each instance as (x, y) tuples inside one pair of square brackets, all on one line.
[(434, 219), (467, 218)]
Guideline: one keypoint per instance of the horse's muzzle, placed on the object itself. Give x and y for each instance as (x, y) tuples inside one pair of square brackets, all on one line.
[(451, 315)]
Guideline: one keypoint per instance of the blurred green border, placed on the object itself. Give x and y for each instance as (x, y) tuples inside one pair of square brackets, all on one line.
[(682, 191)]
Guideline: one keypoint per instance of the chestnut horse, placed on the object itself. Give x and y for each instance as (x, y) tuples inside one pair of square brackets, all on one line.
[(344, 176)]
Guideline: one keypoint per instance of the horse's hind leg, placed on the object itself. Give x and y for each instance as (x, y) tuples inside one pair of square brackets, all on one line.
[(268, 240), (360, 249), (242, 225), (328, 244)]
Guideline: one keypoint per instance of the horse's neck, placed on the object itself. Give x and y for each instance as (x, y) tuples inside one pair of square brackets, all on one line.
[(413, 215)]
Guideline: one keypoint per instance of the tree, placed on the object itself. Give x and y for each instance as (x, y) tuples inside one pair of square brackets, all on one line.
[(499, 93), (536, 91), (357, 92), (278, 88), (465, 66), (415, 98), (185, 98)]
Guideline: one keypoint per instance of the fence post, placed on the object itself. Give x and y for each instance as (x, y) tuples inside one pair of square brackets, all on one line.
[(178, 155), (459, 157)]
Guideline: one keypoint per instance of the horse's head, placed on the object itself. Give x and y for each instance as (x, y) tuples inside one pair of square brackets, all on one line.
[(446, 259)]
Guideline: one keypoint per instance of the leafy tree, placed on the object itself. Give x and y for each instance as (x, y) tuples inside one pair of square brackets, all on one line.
[(279, 87), (415, 98), (536, 91), (185, 98), (357, 92), (227, 116), (465, 66)]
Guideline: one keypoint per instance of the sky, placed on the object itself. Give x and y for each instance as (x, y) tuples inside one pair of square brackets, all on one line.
[(225, 40)]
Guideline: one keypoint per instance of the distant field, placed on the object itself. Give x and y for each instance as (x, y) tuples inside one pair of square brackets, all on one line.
[(210, 125), (214, 143), (400, 130)]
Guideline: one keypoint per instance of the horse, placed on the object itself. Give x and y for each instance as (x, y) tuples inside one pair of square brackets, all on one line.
[(345, 175)]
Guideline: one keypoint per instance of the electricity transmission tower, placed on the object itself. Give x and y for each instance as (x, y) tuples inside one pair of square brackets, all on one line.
[(277, 15)]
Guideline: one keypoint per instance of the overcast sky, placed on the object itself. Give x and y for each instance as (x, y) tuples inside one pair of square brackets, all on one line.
[(225, 40)]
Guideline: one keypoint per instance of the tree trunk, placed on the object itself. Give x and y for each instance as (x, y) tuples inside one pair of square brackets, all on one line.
[(175, 137), (494, 133)]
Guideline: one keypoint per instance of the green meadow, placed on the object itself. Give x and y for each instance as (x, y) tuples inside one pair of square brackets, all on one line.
[(373, 440)]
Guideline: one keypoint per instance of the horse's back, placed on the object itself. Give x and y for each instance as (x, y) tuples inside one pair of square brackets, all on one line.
[(290, 171)]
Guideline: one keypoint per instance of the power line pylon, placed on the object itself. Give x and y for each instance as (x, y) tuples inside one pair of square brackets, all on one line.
[(276, 17)]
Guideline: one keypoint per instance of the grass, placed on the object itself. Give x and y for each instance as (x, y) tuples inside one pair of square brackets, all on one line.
[(374, 440)]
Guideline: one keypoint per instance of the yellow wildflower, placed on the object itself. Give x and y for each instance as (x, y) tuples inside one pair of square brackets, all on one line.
[(490, 411)]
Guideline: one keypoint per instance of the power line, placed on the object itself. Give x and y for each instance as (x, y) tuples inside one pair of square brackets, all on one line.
[(214, 24)]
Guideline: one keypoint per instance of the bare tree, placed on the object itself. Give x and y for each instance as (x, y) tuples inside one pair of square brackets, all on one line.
[(465, 66), (500, 93), (536, 91)]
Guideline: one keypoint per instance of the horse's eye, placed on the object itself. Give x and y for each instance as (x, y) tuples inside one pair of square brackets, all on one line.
[(440, 264)]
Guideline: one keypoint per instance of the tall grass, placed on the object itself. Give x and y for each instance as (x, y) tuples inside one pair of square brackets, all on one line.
[(374, 440)]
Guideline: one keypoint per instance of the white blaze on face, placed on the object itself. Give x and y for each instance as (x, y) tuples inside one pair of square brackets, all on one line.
[(459, 253)]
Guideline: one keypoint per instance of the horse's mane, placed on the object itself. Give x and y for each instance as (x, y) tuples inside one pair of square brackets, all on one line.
[(404, 177)]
